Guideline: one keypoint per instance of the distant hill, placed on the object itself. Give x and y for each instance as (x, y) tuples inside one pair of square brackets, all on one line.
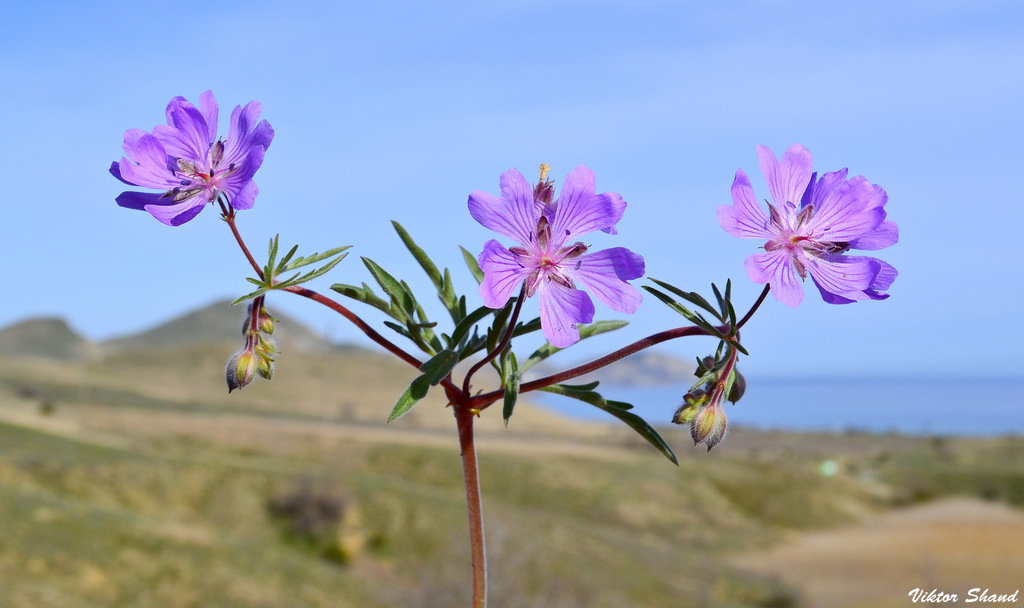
[(219, 322), (46, 337)]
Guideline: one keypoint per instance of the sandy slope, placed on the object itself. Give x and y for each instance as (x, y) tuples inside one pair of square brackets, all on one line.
[(952, 545)]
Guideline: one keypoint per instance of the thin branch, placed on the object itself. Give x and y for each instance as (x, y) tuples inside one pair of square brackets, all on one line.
[(504, 340), (228, 215), (482, 401), (362, 325), (757, 304)]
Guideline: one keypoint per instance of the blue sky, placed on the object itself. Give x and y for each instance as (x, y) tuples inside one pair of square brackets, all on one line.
[(399, 111)]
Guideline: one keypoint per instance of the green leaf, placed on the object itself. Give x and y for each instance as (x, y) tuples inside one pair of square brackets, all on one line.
[(416, 391), (271, 256), (720, 298), (620, 411), (472, 265), (401, 329), (449, 298), (288, 264), (288, 256), (586, 331), (691, 316), (421, 256), (439, 366), (394, 288), (690, 296), (511, 389), (462, 329), (363, 294)]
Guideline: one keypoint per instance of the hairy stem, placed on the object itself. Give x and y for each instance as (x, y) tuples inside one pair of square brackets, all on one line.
[(464, 417)]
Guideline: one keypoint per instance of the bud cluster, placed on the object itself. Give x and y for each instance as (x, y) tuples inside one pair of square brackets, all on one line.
[(702, 405), (257, 356)]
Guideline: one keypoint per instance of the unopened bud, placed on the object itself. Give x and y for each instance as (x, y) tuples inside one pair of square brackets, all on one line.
[(739, 386), (708, 426), (692, 402), (265, 366), (240, 369)]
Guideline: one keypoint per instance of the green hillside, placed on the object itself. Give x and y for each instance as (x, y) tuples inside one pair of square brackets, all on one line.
[(133, 479), (217, 322), (46, 337)]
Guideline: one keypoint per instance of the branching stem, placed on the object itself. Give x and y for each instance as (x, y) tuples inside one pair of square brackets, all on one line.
[(501, 345)]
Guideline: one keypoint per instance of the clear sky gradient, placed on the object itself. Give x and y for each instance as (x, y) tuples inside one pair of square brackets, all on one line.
[(398, 111)]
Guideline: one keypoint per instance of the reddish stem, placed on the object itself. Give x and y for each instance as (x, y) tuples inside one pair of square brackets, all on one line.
[(501, 346), (464, 417), (228, 215)]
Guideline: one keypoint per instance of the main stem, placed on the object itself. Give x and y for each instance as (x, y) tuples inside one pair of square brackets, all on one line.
[(464, 420)]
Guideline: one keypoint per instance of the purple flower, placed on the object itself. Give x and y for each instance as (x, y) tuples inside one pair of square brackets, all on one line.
[(811, 225), (186, 162), (548, 259)]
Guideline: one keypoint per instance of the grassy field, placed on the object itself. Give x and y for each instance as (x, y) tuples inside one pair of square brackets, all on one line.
[(136, 481)]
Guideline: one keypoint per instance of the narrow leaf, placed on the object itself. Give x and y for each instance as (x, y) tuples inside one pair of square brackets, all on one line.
[(586, 331), (421, 256), (363, 294), (471, 263), (620, 411), (416, 391), (439, 366), (391, 286), (462, 329), (310, 259), (511, 389)]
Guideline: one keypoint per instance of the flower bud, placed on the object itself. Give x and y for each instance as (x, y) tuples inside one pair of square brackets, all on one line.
[(266, 322), (739, 386), (692, 402), (265, 366), (240, 369), (708, 425)]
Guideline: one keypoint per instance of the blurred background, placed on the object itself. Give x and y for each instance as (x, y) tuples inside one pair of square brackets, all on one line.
[(128, 477)]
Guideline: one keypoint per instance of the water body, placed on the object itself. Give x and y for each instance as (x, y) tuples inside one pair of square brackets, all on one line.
[(919, 406)]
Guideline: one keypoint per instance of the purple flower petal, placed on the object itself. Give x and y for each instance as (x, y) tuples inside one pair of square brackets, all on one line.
[(786, 180), (514, 217), (209, 109), (140, 200), (580, 210), (604, 274), (886, 275), (844, 214), (847, 276), (186, 134), (246, 197), (503, 273), (776, 269), (744, 218), (886, 234), (561, 309), (244, 134), (149, 168)]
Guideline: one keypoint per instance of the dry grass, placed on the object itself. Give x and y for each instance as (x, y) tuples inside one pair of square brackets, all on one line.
[(953, 545)]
